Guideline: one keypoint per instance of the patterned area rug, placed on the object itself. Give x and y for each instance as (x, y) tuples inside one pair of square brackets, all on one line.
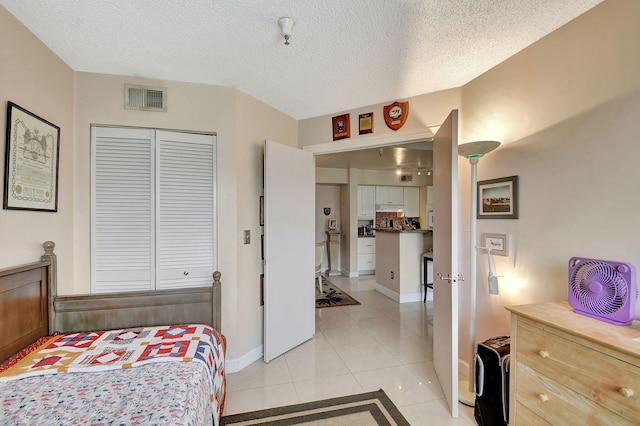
[(366, 409), (332, 296)]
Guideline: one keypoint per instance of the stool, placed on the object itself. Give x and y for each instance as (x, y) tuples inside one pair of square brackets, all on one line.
[(427, 273)]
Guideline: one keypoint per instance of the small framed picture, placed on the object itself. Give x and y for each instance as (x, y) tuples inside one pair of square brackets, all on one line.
[(366, 123), (341, 127), (498, 243), (333, 224), (498, 198)]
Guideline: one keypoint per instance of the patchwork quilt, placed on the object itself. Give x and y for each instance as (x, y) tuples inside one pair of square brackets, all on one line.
[(105, 351)]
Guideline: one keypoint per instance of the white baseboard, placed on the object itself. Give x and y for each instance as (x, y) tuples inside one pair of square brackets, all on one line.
[(237, 364), (401, 298), (411, 297), (389, 293)]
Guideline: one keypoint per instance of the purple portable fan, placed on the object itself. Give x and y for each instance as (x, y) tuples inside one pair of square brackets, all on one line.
[(603, 290)]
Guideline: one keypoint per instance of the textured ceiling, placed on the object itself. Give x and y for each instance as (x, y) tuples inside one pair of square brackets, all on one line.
[(344, 54)]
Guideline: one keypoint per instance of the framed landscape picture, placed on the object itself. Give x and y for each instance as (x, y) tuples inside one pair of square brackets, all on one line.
[(498, 198)]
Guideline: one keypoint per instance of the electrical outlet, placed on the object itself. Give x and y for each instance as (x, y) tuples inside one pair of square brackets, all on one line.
[(247, 236), (392, 274)]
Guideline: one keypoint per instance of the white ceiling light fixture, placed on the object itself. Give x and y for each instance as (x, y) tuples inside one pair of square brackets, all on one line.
[(473, 151), (423, 170), (286, 25)]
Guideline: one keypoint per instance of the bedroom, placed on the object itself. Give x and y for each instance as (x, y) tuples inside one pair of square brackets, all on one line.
[(565, 109)]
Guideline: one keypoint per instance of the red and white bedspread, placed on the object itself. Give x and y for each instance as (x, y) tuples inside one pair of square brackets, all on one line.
[(179, 378)]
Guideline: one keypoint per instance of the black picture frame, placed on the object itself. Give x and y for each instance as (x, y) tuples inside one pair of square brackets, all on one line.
[(31, 161), (498, 198)]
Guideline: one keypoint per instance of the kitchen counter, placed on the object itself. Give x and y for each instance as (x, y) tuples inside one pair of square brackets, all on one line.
[(399, 263), (403, 231)]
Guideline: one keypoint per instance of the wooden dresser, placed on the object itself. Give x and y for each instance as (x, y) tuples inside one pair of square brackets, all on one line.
[(569, 369)]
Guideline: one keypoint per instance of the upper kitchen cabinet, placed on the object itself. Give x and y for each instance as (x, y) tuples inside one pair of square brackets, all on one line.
[(366, 202), (390, 195), (412, 201)]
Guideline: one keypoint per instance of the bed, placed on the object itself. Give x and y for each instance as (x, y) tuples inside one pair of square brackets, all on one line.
[(130, 358)]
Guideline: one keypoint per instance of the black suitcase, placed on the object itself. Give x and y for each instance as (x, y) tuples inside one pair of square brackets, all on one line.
[(491, 406)]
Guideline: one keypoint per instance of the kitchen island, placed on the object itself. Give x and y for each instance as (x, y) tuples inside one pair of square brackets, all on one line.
[(399, 262)]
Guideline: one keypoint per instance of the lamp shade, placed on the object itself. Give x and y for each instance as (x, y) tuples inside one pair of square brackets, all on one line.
[(477, 149)]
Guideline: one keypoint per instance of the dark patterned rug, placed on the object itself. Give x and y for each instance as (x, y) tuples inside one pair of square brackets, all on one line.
[(332, 296), (367, 409)]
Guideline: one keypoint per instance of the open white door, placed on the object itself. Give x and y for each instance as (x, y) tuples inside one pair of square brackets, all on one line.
[(445, 259), (289, 259)]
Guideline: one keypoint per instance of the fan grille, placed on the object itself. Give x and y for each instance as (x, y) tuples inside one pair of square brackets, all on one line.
[(599, 287)]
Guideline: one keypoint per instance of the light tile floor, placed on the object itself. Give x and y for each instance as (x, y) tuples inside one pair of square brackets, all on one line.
[(378, 344)]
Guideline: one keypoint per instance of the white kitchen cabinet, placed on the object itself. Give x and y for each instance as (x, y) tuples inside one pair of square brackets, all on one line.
[(366, 202), (366, 255), (412, 201), (391, 195)]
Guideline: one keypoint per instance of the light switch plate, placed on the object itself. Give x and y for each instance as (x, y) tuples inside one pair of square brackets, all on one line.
[(247, 236)]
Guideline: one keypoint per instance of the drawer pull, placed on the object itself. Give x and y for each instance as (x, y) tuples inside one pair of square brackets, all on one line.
[(626, 392), (542, 397), (544, 354)]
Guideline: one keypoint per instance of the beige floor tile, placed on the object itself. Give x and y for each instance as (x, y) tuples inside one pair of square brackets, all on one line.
[(327, 387), (260, 398), (371, 356), (400, 384), (260, 374), (436, 413), (309, 365), (378, 344)]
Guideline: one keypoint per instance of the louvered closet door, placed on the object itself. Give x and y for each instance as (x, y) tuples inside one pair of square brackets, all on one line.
[(122, 202), (185, 209), (153, 212)]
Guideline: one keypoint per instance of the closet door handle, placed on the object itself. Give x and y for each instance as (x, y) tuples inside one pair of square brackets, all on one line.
[(185, 273)]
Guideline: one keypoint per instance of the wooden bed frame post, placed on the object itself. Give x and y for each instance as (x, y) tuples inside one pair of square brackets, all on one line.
[(216, 299), (52, 258)]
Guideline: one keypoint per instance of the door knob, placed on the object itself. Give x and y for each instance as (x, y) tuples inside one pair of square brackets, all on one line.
[(451, 279)]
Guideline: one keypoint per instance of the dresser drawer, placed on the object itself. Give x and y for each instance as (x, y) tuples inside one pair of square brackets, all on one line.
[(525, 416), (593, 375), (558, 404)]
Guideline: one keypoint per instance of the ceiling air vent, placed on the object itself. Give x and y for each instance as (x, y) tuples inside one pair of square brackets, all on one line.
[(406, 178), (145, 98)]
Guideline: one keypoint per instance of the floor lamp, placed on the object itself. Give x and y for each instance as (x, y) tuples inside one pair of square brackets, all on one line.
[(473, 151)]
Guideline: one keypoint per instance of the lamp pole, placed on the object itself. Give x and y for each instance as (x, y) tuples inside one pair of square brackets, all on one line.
[(473, 151)]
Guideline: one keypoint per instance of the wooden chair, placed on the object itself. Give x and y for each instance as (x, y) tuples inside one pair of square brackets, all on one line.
[(319, 259)]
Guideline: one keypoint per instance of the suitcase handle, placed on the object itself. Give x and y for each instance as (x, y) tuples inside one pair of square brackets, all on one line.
[(479, 374)]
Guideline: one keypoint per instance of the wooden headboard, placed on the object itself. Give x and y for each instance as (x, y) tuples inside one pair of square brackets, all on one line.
[(31, 308), (24, 306)]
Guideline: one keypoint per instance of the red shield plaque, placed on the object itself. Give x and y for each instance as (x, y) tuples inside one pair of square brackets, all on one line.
[(395, 115)]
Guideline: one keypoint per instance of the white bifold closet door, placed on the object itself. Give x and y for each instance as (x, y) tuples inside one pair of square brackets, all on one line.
[(153, 209)]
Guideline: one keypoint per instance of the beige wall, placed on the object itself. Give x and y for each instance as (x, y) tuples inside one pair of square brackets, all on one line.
[(566, 110), (195, 107), (327, 196), (425, 112), (34, 78), (266, 123)]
